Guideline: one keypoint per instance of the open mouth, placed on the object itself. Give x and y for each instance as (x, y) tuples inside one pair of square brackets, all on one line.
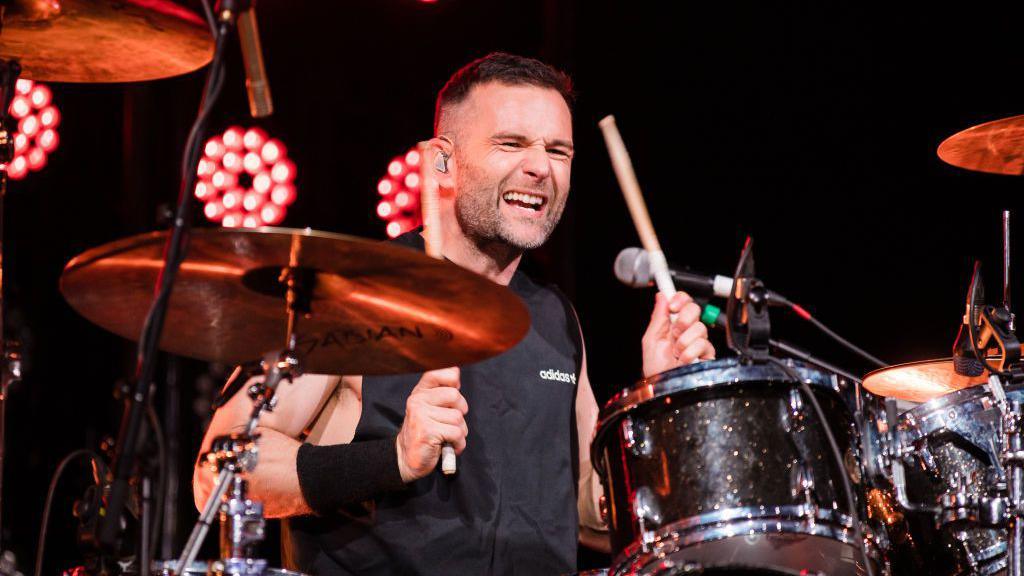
[(525, 200)]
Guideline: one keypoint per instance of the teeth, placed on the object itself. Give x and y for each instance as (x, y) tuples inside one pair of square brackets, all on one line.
[(524, 198)]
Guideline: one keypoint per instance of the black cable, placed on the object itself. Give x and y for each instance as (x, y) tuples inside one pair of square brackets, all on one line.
[(849, 345), (210, 20), (41, 544), (162, 479), (175, 250), (840, 462), (803, 313)]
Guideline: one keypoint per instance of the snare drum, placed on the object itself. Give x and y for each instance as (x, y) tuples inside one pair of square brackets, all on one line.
[(724, 466)]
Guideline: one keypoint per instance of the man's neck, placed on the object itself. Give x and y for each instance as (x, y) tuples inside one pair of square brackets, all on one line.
[(492, 259)]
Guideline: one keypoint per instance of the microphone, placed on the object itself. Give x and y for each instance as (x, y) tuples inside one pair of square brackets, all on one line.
[(965, 360), (256, 84), (633, 268)]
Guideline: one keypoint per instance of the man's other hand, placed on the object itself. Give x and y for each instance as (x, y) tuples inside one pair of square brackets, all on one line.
[(668, 344), (434, 415)]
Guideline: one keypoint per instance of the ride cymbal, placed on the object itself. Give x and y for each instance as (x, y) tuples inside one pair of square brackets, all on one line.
[(919, 381), (995, 147), (375, 308), (103, 40)]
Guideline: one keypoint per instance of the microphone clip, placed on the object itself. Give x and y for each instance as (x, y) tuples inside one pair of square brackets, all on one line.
[(748, 328)]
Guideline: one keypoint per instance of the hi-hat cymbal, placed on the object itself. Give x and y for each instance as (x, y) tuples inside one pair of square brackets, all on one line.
[(919, 381), (104, 40), (376, 308), (996, 147)]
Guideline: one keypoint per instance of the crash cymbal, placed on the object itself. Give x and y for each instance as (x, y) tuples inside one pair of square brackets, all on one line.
[(104, 40), (376, 308), (996, 147), (919, 381)]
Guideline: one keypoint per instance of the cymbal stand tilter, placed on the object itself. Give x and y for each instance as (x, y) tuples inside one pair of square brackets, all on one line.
[(241, 518)]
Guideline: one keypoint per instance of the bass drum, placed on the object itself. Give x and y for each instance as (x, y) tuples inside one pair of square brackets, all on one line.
[(723, 467)]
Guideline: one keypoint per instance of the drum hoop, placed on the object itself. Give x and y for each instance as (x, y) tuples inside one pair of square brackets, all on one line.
[(789, 520), (919, 422)]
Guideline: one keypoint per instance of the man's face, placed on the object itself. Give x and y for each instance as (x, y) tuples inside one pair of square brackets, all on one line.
[(513, 153)]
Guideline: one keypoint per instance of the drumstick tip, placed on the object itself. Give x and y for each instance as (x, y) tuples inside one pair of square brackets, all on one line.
[(608, 120)]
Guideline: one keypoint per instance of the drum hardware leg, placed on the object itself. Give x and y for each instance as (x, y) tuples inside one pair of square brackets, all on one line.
[(1013, 462)]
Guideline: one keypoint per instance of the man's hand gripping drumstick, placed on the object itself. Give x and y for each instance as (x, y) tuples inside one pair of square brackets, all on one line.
[(674, 336)]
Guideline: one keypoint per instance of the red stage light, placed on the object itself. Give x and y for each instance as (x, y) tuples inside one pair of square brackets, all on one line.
[(36, 159), (233, 137), (272, 214), (232, 198), (283, 171), (233, 219), (214, 211), (262, 182), (252, 163), (49, 117), (36, 136), (254, 139), (29, 126), (214, 148), (252, 201), (401, 186), (394, 229), (20, 142), (40, 96), (272, 151), (232, 161), (205, 190), (21, 107), (283, 194), (246, 178)]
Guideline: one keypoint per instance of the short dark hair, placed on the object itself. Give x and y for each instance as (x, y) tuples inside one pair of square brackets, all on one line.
[(504, 68)]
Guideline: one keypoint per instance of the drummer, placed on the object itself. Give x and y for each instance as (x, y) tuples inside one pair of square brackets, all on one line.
[(352, 462)]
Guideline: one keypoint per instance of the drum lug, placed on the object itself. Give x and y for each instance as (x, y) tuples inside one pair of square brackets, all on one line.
[(992, 511), (957, 504), (637, 437), (924, 457), (793, 412), (648, 515)]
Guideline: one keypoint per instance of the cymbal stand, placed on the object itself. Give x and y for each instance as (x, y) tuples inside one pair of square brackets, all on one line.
[(241, 518)]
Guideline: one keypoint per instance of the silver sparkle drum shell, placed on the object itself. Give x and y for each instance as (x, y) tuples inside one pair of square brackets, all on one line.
[(721, 464)]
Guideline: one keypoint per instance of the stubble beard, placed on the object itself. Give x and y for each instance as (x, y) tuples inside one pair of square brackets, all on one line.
[(478, 212)]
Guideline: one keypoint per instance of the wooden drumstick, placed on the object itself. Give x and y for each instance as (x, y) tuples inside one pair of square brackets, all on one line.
[(430, 209), (637, 208)]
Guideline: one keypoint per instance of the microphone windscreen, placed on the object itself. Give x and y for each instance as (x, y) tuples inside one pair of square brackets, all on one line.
[(633, 268)]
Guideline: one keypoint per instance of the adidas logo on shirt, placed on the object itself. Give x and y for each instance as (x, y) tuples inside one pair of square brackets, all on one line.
[(558, 376)]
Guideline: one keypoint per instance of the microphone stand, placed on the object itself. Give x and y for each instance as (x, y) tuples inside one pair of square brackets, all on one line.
[(110, 527)]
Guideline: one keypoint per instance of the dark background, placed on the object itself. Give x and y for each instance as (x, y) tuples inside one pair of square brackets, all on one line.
[(811, 126)]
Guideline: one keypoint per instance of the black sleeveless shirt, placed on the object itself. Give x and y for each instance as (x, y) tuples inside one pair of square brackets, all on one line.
[(511, 507)]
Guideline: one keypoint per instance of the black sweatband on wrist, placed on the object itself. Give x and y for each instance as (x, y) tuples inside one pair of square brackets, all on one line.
[(333, 476)]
